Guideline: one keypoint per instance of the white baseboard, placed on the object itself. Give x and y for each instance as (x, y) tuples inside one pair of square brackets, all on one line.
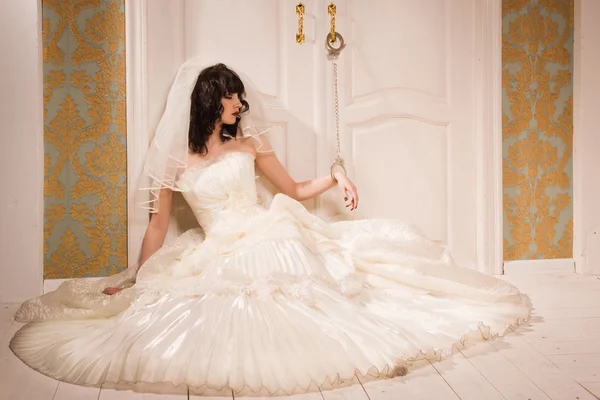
[(53, 284), (557, 265)]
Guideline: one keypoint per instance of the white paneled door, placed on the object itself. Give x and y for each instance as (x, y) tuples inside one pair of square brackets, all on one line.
[(408, 114), (410, 84)]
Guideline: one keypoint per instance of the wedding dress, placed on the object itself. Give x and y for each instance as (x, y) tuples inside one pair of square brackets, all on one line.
[(265, 300)]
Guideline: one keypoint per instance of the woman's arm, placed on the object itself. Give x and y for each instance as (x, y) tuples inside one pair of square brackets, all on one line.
[(157, 227), (155, 232), (270, 165)]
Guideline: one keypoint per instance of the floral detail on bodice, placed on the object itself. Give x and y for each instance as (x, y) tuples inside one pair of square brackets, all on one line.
[(222, 191)]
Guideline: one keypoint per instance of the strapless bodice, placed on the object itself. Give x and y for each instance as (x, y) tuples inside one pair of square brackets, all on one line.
[(222, 192)]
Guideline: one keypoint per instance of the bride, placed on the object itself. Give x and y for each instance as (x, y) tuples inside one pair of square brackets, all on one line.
[(265, 298)]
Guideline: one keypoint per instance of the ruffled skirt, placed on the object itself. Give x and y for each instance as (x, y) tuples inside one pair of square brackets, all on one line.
[(285, 303)]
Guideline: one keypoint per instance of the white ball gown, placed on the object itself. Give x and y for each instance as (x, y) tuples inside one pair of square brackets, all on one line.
[(265, 300)]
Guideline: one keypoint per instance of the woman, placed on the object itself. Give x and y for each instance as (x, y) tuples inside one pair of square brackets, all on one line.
[(263, 299)]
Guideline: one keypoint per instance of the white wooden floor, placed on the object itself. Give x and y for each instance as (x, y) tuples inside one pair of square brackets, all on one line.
[(556, 357)]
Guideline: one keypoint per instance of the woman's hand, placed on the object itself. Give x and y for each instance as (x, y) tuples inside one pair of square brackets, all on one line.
[(111, 290), (348, 189)]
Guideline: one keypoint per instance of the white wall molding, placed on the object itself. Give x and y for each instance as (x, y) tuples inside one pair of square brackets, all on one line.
[(488, 120), (156, 47), (528, 267), (137, 118), (22, 143), (586, 142)]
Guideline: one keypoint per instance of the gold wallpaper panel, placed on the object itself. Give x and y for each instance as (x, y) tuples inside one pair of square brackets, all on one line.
[(537, 58), (85, 193)]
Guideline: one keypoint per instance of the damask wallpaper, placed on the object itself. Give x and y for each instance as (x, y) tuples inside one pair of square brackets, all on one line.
[(537, 57), (85, 221)]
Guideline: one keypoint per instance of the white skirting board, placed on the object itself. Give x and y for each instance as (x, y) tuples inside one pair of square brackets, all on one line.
[(557, 265), (53, 284)]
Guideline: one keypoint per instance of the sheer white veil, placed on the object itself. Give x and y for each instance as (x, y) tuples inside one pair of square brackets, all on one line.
[(167, 155)]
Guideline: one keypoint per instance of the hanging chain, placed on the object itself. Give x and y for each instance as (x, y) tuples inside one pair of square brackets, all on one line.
[(334, 52), (336, 106), (331, 39)]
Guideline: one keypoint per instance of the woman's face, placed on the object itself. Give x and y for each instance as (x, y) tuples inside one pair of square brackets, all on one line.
[(231, 108)]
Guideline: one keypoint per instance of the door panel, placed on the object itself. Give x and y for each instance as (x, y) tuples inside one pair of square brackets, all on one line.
[(406, 85)]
